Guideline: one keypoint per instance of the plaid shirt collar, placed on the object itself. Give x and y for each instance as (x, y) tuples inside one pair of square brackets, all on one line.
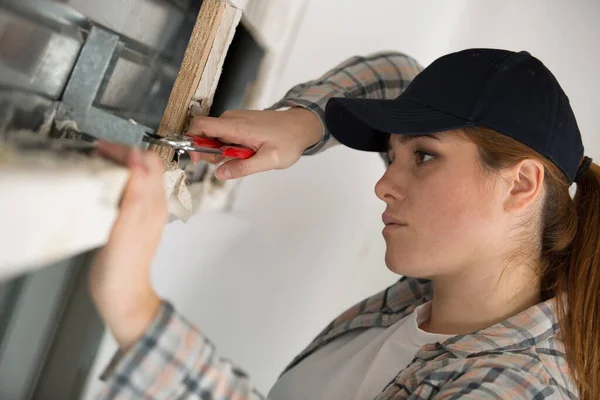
[(524, 330)]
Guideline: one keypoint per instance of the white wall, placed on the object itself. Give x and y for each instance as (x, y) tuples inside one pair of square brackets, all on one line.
[(304, 243)]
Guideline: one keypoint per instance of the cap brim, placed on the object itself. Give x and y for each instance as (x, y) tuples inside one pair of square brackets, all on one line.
[(363, 124)]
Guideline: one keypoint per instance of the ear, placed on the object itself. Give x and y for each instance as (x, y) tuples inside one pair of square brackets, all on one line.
[(524, 184)]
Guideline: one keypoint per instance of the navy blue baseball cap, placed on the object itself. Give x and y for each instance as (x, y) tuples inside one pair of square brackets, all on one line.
[(510, 92)]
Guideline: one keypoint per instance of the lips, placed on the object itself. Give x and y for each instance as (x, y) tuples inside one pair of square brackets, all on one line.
[(388, 219)]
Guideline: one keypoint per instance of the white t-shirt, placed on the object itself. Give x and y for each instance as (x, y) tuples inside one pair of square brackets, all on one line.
[(359, 364)]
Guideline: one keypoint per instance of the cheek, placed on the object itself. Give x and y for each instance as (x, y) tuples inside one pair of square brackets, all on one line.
[(452, 209), (448, 218)]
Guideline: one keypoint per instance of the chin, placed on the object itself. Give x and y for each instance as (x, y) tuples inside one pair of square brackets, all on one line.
[(406, 265)]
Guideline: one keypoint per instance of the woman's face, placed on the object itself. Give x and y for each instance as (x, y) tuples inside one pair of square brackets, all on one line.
[(440, 215)]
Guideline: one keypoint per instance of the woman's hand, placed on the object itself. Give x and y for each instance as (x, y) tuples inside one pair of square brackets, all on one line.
[(119, 280), (278, 137)]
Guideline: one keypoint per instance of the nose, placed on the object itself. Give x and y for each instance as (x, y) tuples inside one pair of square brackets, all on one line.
[(387, 189)]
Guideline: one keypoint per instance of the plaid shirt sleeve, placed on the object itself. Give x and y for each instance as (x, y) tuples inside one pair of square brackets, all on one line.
[(173, 360), (382, 75)]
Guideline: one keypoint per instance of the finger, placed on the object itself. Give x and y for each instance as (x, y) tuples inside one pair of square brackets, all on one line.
[(154, 164), (135, 159), (145, 190), (145, 169), (225, 129), (209, 158), (133, 194), (262, 161), (155, 182), (206, 126), (146, 194), (113, 151)]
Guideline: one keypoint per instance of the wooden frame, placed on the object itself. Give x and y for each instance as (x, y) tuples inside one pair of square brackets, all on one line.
[(200, 70), (193, 92)]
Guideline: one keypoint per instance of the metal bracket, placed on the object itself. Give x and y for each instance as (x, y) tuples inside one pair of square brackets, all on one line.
[(92, 71)]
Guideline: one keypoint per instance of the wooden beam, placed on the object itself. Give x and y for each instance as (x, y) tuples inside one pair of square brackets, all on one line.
[(193, 94), (194, 60), (209, 194), (205, 91)]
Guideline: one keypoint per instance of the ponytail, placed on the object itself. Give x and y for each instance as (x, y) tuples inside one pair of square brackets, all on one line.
[(579, 278)]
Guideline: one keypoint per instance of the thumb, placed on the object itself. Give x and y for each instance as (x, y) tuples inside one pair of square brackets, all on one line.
[(237, 168)]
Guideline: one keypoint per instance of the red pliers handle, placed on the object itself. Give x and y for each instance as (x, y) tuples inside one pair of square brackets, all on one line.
[(227, 150)]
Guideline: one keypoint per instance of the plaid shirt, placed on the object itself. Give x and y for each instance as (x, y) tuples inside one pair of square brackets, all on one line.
[(521, 357)]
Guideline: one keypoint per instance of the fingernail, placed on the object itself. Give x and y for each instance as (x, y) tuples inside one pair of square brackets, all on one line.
[(226, 173)]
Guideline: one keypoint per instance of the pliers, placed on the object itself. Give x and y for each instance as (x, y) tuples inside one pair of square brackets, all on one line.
[(183, 143)]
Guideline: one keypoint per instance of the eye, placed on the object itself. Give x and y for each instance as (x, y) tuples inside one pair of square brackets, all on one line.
[(423, 154)]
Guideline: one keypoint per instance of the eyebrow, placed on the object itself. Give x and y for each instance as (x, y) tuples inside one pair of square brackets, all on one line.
[(403, 139)]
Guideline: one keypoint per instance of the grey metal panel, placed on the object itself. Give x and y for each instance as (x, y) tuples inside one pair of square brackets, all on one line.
[(89, 72), (110, 127), (53, 14), (9, 295), (34, 57), (31, 329), (152, 36), (88, 79), (129, 84), (151, 22), (155, 35), (77, 338)]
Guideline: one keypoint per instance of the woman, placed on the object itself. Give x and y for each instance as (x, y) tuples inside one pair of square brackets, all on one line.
[(501, 267)]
